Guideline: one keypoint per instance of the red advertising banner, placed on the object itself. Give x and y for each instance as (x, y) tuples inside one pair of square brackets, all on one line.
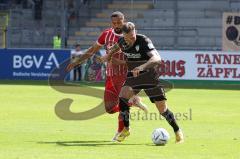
[(200, 65)]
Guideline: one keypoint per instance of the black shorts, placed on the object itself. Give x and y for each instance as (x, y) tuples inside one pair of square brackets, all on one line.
[(149, 82)]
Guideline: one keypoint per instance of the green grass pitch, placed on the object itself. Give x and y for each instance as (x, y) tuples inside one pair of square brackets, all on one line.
[(29, 128)]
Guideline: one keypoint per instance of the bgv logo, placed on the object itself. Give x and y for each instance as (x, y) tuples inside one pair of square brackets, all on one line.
[(29, 61)]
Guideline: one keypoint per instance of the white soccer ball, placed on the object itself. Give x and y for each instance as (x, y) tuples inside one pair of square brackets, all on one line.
[(160, 136)]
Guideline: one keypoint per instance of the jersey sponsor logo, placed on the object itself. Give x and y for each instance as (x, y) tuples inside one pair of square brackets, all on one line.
[(125, 46), (29, 61), (137, 48), (132, 55)]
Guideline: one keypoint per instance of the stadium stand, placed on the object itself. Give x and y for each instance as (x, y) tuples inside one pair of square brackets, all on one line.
[(172, 24), (182, 24), (28, 32)]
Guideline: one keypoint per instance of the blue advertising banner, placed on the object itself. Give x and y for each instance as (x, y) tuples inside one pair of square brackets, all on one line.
[(30, 64)]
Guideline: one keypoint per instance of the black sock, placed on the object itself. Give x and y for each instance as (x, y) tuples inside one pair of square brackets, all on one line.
[(168, 115), (124, 111)]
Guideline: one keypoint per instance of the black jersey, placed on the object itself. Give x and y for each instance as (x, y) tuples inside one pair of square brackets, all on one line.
[(148, 79), (138, 53)]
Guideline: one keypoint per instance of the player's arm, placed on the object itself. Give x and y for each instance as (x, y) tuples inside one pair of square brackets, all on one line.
[(90, 51), (108, 57), (115, 48), (116, 61), (87, 54), (113, 60), (154, 60)]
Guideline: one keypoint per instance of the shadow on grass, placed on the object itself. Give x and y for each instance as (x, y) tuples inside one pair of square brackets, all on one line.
[(154, 145), (87, 143)]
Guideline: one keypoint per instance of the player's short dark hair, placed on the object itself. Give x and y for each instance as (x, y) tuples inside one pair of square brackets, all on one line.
[(77, 45), (127, 27), (117, 14)]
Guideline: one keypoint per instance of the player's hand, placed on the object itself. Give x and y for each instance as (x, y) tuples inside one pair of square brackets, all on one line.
[(136, 71), (71, 66), (101, 59), (108, 58)]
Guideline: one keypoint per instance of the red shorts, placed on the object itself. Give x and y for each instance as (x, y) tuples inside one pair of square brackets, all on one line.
[(113, 87)]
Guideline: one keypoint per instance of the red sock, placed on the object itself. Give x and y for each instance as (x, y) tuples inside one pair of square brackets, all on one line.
[(120, 123)]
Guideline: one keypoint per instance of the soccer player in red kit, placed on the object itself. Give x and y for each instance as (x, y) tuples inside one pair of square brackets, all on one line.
[(116, 69)]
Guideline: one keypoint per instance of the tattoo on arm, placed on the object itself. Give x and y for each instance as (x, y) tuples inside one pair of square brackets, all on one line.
[(154, 60), (114, 49), (91, 51), (118, 61), (153, 52)]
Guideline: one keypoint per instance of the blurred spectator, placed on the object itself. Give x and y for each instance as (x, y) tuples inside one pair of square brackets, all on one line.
[(85, 2), (14, 3), (71, 10), (77, 71), (26, 4), (4, 4), (97, 67), (57, 41), (18, 1), (70, 4), (38, 9), (94, 69), (3, 1)]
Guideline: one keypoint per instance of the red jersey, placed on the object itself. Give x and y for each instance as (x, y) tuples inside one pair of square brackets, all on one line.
[(109, 38)]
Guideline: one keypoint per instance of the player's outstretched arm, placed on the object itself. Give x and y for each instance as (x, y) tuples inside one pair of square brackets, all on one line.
[(80, 59)]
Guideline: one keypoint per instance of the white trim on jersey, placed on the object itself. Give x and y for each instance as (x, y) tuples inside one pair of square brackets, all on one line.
[(116, 33), (98, 43), (106, 37)]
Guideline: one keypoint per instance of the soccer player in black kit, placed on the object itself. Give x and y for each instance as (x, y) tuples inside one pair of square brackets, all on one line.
[(142, 60)]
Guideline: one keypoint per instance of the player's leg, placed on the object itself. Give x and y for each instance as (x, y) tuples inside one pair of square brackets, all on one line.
[(110, 97), (74, 73), (157, 96), (128, 98), (169, 116), (137, 102), (80, 73), (125, 94), (117, 83), (111, 100)]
